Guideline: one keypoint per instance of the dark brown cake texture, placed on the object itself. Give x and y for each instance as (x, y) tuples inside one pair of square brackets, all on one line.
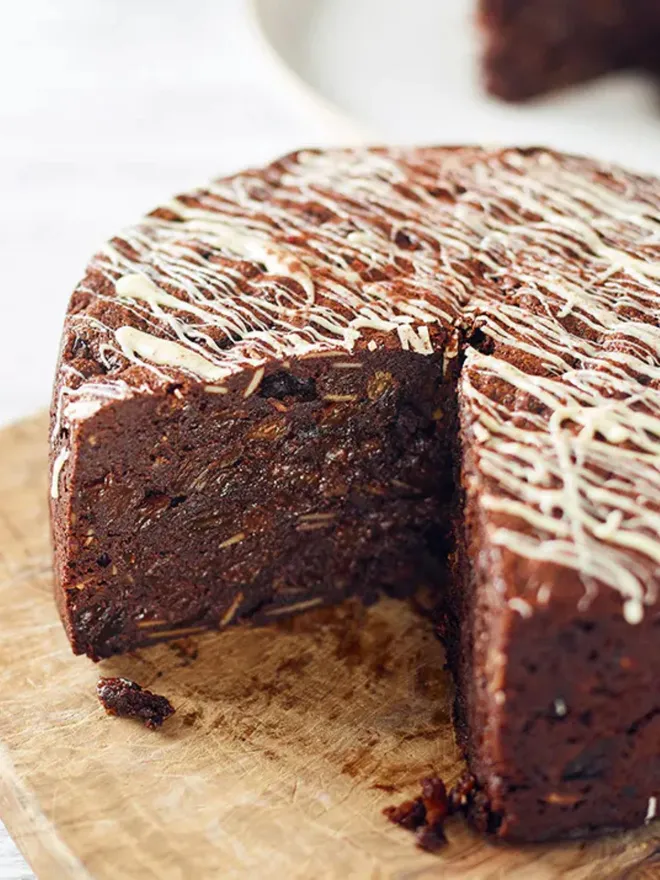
[(290, 386), (534, 46), (127, 699)]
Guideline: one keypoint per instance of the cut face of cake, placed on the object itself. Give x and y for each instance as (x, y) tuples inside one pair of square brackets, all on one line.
[(535, 46), (328, 377)]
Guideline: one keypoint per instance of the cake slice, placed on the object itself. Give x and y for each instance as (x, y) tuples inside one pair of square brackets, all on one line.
[(535, 46), (251, 412), (290, 386)]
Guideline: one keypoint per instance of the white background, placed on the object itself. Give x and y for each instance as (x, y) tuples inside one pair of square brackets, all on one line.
[(106, 108), (109, 106)]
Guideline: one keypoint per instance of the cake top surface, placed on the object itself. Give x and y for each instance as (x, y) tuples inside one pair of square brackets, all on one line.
[(552, 261)]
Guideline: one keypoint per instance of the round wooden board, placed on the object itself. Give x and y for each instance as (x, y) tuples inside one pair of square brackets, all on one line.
[(287, 741)]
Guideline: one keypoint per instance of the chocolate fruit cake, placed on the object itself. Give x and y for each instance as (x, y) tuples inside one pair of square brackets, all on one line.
[(534, 46), (330, 376)]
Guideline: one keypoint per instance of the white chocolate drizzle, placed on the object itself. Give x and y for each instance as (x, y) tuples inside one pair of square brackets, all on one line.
[(555, 260), (136, 344), (58, 465)]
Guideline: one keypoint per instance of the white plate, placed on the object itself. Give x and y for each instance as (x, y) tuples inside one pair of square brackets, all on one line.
[(407, 71)]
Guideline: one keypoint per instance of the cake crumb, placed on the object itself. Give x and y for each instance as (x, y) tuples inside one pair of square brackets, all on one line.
[(127, 699), (462, 793), (431, 836), (426, 815), (409, 814)]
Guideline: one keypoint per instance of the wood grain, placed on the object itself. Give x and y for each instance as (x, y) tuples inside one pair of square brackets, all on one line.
[(286, 744)]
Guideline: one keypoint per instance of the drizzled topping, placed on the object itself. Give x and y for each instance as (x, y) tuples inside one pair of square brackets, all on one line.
[(136, 345), (58, 464), (554, 260)]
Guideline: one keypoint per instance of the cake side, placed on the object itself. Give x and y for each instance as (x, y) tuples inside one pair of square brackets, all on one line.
[(558, 706), (560, 438), (189, 511)]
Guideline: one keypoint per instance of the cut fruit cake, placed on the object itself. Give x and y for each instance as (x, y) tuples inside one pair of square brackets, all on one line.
[(294, 384), (534, 46)]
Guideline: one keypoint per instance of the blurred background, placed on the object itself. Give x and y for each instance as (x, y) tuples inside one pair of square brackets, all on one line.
[(107, 107)]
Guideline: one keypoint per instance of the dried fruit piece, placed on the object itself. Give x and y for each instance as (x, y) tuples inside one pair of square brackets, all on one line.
[(284, 384), (381, 382)]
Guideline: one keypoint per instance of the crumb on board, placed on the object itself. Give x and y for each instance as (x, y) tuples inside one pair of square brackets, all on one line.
[(426, 814), (127, 699)]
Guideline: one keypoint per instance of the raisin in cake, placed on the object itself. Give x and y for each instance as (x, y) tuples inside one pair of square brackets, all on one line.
[(289, 386), (533, 46)]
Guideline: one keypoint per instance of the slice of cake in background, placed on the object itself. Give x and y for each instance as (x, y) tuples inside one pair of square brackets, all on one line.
[(535, 46)]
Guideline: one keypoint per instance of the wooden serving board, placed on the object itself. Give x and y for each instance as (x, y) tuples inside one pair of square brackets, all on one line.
[(287, 742)]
